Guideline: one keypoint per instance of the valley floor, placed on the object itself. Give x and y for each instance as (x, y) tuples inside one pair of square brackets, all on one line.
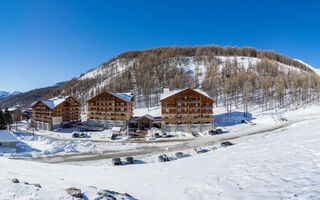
[(272, 159)]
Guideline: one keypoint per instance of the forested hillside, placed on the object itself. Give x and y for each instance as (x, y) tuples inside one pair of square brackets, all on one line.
[(236, 76)]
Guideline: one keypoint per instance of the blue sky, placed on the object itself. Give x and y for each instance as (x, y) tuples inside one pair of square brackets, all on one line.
[(44, 42)]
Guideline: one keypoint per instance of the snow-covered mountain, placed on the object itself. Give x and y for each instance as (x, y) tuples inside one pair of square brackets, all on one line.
[(4, 94), (146, 73)]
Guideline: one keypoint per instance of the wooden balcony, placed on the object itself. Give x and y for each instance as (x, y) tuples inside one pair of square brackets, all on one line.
[(122, 117), (187, 119), (41, 119)]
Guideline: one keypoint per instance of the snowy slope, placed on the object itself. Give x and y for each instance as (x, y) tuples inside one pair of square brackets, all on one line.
[(188, 64), (316, 70), (283, 164)]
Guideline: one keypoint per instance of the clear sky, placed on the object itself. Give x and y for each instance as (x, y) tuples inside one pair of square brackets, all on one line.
[(43, 42)]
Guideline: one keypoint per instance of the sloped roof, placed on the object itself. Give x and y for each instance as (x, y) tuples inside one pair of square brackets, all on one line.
[(7, 136), (170, 93), (147, 116), (51, 103), (123, 96)]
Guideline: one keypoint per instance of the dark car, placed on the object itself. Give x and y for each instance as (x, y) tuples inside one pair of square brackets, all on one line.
[(116, 161), (179, 155), (113, 137), (75, 135), (163, 158), (225, 144), (83, 135), (157, 135), (219, 131), (212, 132), (169, 136), (129, 160)]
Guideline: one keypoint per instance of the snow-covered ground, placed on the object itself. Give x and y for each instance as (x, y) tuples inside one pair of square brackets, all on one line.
[(34, 146), (283, 164)]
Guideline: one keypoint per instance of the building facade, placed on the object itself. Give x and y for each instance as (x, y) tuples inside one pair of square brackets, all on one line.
[(55, 112), (187, 110), (109, 109)]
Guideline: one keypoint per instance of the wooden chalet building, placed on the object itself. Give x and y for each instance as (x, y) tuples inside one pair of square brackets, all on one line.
[(55, 112), (109, 109), (187, 110)]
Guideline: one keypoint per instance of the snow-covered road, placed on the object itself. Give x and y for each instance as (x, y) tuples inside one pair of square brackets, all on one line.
[(284, 164), (184, 145)]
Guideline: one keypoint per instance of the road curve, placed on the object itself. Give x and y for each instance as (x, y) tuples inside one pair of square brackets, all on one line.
[(179, 145)]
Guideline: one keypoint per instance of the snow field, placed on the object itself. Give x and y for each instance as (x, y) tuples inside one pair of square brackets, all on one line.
[(283, 164)]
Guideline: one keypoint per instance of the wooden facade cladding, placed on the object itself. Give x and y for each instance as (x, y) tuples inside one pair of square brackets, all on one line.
[(187, 106), (69, 110), (41, 112), (106, 106)]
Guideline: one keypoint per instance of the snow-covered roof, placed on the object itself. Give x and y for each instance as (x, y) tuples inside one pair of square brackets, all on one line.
[(10, 109), (7, 136), (123, 96), (147, 116), (116, 129), (167, 94), (51, 103)]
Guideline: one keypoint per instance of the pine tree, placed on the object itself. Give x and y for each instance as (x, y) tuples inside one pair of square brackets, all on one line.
[(7, 117), (2, 121)]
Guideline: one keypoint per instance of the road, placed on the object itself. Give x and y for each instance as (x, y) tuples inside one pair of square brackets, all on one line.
[(179, 145)]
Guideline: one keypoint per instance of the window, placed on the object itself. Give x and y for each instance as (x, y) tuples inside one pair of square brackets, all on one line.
[(166, 104), (179, 104), (167, 110), (179, 110)]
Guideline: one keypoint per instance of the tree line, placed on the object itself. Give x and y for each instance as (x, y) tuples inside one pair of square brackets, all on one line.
[(147, 72), (5, 119)]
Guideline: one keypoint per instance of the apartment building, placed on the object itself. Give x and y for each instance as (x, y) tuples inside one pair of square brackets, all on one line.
[(55, 112), (109, 109), (187, 110)]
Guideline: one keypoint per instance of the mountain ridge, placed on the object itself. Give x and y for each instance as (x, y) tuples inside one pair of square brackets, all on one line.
[(147, 72)]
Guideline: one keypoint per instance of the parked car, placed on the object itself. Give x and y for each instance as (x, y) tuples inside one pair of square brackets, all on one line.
[(198, 150), (83, 135), (116, 161), (129, 160), (157, 135), (163, 158), (179, 155), (219, 131), (195, 134), (225, 144), (75, 135), (216, 131), (169, 136), (113, 137)]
